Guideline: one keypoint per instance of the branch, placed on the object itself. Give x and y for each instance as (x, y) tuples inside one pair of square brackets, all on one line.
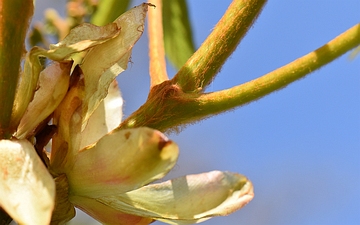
[(205, 63), (224, 100), (168, 107), (156, 45), (15, 18)]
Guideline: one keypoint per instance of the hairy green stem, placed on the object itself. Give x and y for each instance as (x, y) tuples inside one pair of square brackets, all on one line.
[(204, 64), (14, 20), (217, 102), (168, 107)]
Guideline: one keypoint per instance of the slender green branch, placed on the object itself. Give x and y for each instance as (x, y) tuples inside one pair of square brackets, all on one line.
[(15, 17), (205, 63), (221, 101), (168, 107)]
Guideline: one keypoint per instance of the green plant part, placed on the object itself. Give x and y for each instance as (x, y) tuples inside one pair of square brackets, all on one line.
[(104, 171), (99, 163)]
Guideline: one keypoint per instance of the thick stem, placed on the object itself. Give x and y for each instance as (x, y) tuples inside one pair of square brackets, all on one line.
[(168, 107), (156, 45), (205, 63), (14, 20)]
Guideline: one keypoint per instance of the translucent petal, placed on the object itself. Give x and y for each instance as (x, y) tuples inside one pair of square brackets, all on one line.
[(120, 161), (53, 85), (105, 214), (82, 38), (186, 200), (95, 77), (105, 118), (104, 62), (27, 190), (113, 106)]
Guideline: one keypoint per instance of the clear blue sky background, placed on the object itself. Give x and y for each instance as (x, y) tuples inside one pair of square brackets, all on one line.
[(299, 146)]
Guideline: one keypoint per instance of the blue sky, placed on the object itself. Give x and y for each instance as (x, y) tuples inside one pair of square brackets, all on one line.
[(299, 146)]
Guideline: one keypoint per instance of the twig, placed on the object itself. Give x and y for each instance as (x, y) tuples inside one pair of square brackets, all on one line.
[(156, 45)]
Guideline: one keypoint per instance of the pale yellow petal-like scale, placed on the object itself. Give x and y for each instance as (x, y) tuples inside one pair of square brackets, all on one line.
[(186, 200), (121, 161), (27, 190), (53, 85)]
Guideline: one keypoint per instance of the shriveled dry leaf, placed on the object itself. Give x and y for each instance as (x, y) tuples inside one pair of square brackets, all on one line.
[(81, 38), (104, 62)]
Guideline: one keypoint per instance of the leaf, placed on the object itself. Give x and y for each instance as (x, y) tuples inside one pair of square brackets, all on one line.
[(53, 85), (186, 200), (120, 161), (108, 10), (178, 41), (27, 190)]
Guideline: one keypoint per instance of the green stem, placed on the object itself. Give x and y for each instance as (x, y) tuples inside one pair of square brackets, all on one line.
[(15, 17), (108, 11), (201, 68), (224, 100), (168, 107)]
